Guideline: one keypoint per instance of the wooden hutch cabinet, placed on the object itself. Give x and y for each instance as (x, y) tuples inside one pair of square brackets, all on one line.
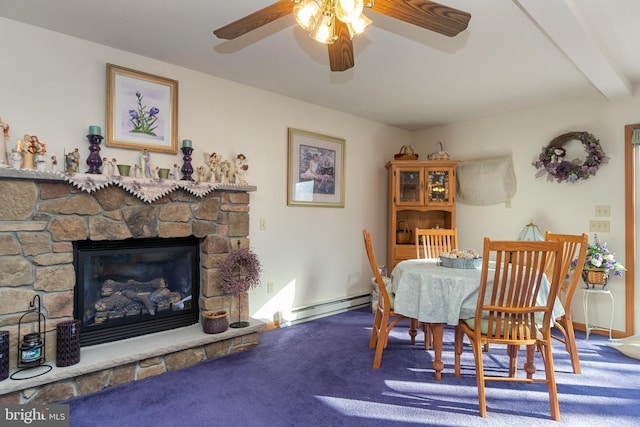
[(421, 194)]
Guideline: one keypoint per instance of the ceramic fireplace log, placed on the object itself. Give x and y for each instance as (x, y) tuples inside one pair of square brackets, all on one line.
[(110, 286)]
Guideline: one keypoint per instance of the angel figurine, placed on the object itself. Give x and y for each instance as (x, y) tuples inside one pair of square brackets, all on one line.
[(202, 173), (241, 169), (225, 167), (176, 172), (213, 161)]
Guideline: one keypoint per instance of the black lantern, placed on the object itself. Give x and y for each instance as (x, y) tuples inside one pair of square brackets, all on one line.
[(32, 345)]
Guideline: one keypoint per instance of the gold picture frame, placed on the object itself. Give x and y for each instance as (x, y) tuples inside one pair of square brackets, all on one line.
[(142, 111), (316, 170)]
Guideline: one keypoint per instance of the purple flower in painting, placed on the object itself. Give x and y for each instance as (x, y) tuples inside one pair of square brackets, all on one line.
[(144, 121)]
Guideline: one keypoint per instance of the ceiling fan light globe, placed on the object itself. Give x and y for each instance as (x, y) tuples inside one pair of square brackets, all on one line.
[(359, 25), (325, 30), (307, 14), (348, 10)]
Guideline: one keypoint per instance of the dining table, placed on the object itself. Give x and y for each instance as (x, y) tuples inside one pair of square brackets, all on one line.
[(439, 296)]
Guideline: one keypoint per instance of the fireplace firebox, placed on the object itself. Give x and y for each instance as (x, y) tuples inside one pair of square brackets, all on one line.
[(134, 287)]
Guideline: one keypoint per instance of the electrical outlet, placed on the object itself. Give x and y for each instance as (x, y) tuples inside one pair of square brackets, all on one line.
[(603, 210), (599, 226), (263, 224), (269, 287)]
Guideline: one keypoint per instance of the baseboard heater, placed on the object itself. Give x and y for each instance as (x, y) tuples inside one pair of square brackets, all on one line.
[(316, 311)]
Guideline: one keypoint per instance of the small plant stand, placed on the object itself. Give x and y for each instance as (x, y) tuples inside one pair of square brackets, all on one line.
[(585, 302)]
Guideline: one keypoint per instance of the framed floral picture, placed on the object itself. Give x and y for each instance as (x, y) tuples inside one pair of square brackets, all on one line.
[(142, 111), (316, 170)]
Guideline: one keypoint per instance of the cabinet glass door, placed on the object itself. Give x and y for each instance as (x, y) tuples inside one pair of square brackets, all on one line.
[(410, 186), (438, 186)]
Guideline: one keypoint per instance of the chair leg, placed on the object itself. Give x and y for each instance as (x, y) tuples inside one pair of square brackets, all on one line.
[(375, 332), (570, 343), (554, 406), (512, 352), (413, 330), (529, 365), (428, 336), (482, 398), (458, 345), (382, 338)]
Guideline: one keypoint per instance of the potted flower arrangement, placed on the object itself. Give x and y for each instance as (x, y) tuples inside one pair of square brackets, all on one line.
[(598, 264)]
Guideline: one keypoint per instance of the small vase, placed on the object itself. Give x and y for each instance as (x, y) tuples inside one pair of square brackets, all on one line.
[(27, 160), (124, 170), (67, 343), (215, 322)]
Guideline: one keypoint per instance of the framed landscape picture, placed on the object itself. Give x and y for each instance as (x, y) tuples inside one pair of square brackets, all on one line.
[(142, 111), (316, 170)]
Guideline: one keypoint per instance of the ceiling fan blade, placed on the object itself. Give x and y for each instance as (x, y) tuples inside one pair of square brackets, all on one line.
[(341, 50), (433, 16), (255, 20)]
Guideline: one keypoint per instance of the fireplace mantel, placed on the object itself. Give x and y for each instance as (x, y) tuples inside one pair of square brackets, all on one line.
[(146, 189)]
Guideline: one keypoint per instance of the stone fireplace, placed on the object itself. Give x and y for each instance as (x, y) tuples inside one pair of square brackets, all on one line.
[(41, 219)]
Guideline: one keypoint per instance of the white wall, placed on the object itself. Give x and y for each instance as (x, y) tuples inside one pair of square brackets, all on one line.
[(558, 207), (53, 86)]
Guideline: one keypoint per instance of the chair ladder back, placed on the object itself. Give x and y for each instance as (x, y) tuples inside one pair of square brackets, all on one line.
[(433, 241), (511, 304), (384, 295), (575, 248)]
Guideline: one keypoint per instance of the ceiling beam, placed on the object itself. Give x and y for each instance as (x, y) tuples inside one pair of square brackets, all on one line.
[(563, 22)]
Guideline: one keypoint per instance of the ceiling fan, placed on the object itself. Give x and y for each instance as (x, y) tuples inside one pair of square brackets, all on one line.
[(336, 22)]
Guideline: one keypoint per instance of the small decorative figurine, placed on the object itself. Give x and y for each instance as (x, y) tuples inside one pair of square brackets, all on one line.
[(16, 158), (241, 169), (105, 167), (72, 161), (28, 146), (4, 128), (213, 161), (145, 164), (225, 167), (176, 172), (202, 173), (41, 162), (136, 171), (114, 167), (54, 163)]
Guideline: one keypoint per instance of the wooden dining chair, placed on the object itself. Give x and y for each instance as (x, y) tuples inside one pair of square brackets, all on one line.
[(509, 312), (575, 248), (431, 242), (385, 318)]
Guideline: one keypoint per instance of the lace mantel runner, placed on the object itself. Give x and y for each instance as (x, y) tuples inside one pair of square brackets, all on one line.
[(146, 189)]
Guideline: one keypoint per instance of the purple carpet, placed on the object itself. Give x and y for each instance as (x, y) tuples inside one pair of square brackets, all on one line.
[(319, 374)]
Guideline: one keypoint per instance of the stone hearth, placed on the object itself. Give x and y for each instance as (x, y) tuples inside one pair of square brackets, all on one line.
[(39, 221)]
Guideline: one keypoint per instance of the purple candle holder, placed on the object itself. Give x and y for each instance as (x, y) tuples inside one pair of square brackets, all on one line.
[(187, 169), (94, 160)]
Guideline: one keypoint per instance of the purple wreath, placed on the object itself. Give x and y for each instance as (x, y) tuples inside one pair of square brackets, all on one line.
[(552, 162), (240, 271)]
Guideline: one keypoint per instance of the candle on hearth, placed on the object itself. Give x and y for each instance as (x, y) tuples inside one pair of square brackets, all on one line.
[(94, 130), (186, 143)]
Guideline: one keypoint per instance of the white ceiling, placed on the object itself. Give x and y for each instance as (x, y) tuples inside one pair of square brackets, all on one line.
[(514, 54)]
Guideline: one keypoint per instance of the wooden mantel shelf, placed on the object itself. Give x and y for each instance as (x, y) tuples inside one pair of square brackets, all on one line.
[(147, 189)]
